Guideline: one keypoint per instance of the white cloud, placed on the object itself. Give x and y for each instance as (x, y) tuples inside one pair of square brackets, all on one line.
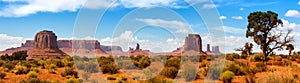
[(21, 8), (299, 3), (178, 26), (292, 13), (222, 17), (237, 17), (209, 6), (287, 25), (233, 30), (7, 41), (241, 9)]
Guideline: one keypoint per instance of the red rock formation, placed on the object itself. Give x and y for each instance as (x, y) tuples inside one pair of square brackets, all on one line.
[(45, 46), (193, 42)]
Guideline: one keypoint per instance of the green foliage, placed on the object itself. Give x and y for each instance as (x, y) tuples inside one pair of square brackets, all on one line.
[(111, 78), (232, 56), (260, 27), (69, 72), (260, 67), (227, 76), (34, 80), (141, 61), (169, 72), (256, 57), (73, 80), (110, 68), (57, 62), (21, 69), (235, 68), (2, 75), (20, 55), (286, 62), (35, 69), (244, 56), (51, 68), (9, 65), (32, 74), (91, 67), (173, 62)]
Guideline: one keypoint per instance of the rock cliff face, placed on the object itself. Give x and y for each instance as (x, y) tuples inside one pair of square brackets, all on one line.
[(81, 46), (45, 46), (193, 42)]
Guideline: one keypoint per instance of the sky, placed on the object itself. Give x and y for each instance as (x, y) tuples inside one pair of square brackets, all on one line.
[(158, 25)]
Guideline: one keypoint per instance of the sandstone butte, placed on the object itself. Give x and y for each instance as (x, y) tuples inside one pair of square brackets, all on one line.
[(45, 47)]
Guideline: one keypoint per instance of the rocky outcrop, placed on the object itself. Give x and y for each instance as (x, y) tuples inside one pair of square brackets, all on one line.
[(45, 47), (138, 51), (215, 49), (193, 42)]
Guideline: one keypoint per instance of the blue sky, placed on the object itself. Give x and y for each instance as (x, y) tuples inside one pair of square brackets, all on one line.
[(21, 19)]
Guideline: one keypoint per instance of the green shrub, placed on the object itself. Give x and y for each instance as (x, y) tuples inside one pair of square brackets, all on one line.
[(34, 80), (21, 69), (73, 80), (173, 62), (35, 69), (286, 62), (169, 72), (278, 77), (57, 62), (227, 76), (91, 67), (9, 66), (235, 68), (277, 58), (233, 56), (260, 67), (69, 72), (111, 78), (244, 56), (51, 68), (20, 55), (2, 75), (110, 68), (256, 57), (42, 63), (32, 74)]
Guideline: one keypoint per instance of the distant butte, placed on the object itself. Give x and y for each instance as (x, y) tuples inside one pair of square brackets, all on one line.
[(45, 47)]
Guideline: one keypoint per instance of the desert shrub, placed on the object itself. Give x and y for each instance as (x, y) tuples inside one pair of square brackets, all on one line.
[(51, 68), (227, 76), (173, 62), (141, 61), (256, 57), (2, 75), (32, 74), (1, 63), (286, 62), (204, 64), (236, 68), (73, 80), (189, 73), (277, 77), (69, 72), (277, 58), (5, 57), (21, 69), (283, 56), (34, 80), (244, 56), (232, 56), (169, 72), (57, 62), (111, 78), (9, 66), (159, 79), (260, 67), (126, 64), (91, 67), (35, 69), (42, 63), (249, 79), (20, 55), (80, 65), (110, 68)]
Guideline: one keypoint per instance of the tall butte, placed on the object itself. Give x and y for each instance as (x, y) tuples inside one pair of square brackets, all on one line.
[(45, 47), (193, 42)]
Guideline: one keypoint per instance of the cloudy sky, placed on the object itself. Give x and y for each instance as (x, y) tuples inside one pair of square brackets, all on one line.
[(158, 25)]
